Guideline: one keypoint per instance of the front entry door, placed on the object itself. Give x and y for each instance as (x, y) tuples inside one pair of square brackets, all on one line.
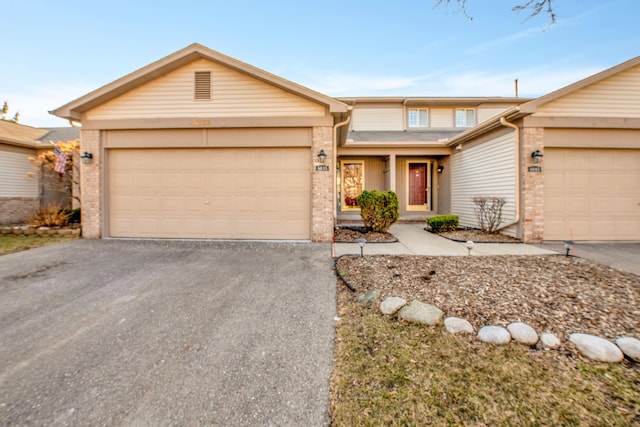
[(419, 181)]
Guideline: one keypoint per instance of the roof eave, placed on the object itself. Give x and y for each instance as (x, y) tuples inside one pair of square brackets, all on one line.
[(513, 113), (74, 109)]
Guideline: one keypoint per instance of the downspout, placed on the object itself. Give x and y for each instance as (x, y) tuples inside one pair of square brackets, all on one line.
[(504, 122), (335, 162)]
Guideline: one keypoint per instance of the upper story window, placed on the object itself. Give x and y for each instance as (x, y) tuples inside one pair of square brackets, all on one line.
[(202, 86), (418, 117), (465, 117)]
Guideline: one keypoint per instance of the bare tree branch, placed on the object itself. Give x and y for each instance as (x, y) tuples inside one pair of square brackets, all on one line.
[(535, 7)]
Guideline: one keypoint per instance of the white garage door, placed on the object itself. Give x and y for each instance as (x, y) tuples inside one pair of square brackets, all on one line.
[(229, 193), (591, 194)]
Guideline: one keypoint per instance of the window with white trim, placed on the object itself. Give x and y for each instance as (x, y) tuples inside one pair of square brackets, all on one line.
[(465, 117), (418, 117)]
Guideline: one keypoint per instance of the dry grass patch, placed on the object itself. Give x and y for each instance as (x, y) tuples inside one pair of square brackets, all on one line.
[(388, 372), (16, 243)]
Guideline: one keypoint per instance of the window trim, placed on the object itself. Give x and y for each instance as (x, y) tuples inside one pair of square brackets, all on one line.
[(418, 109), (465, 125)]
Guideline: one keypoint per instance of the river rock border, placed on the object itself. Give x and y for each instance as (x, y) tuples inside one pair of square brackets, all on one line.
[(590, 346), (40, 231)]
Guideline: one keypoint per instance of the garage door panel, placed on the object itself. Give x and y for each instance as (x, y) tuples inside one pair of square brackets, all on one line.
[(592, 194), (210, 193)]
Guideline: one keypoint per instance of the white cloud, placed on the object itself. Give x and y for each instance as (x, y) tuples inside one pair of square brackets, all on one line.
[(532, 82)]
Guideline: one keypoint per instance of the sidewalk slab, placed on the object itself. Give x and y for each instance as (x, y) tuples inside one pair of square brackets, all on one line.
[(413, 239)]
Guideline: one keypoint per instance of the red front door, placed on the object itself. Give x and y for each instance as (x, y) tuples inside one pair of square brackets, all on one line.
[(417, 183)]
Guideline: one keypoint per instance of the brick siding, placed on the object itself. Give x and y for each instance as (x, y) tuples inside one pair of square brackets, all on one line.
[(91, 184), (18, 210), (532, 187), (322, 186)]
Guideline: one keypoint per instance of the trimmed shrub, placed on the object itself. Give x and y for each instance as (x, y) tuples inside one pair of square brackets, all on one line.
[(442, 223), (379, 210)]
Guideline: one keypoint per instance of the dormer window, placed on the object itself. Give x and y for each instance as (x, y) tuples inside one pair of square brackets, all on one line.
[(418, 117), (202, 91)]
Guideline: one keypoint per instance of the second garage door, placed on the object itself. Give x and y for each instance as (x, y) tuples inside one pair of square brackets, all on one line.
[(227, 193), (591, 194)]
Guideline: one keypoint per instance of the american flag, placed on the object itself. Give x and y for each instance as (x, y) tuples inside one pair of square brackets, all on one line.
[(61, 161)]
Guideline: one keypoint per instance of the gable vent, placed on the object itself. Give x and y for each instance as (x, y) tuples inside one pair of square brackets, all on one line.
[(202, 85)]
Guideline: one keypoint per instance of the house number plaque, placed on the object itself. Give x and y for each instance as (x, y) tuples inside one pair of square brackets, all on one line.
[(535, 169), (322, 168)]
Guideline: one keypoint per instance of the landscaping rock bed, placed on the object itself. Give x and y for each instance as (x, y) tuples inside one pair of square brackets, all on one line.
[(27, 230), (351, 234), (478, 236), (551, 294)]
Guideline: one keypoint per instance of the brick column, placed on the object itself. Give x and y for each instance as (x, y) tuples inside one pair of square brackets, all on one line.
[(322, 185), (532, 203), (91, 185)]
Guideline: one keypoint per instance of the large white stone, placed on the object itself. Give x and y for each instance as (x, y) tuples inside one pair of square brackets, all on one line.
[(494, 335), (630, 347), (596, 348), (391, 305), (455, 325), (549, 340), (523, 333), (419, 312)]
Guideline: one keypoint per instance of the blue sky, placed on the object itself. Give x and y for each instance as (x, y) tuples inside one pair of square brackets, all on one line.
[(55, 51)]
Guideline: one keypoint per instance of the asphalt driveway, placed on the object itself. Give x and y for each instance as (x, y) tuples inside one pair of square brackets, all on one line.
[(166, 333)]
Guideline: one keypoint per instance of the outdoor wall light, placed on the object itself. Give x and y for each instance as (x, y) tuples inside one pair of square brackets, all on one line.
[(86, 157), (537, 156), (322, 156), (361, 242), (440, 168)]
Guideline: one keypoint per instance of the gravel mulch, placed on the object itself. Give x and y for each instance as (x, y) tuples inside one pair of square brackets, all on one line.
[(478, 236), (352, 234), (551, 293)]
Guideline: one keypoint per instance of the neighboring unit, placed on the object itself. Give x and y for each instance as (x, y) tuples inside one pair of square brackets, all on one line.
[(21, 195)]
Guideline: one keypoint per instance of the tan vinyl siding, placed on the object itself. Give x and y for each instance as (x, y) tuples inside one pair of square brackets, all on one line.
[(485, 113), (382, 118), (374, 173), (441, 117), (617, 96), (486, 169), (14, 167), (233, 94)]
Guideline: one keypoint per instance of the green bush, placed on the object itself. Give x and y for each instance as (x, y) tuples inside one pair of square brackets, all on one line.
[(379, 210), (442, 223), (74, 215)]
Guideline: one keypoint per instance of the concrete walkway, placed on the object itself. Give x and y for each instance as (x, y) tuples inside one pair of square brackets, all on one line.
[(414, 240)]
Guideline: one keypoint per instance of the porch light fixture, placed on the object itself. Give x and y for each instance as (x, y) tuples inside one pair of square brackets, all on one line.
[(440, 168), (86, 157), (322, 156), (361, 242), (537, 156)]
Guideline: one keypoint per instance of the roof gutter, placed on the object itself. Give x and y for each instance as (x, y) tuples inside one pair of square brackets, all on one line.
[(504, 122), (335, 161)]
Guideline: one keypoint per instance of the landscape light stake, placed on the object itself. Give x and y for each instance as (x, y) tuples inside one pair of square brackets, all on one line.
[(361, 241), (568, 245), (469, 246)]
